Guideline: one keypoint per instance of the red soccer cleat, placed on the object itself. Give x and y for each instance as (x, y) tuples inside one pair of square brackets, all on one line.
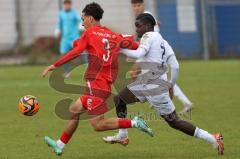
[(220, 145)]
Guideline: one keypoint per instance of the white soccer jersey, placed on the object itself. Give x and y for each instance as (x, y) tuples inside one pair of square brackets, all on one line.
[(157, 49), (154, 49), (157, 29), (154, 54), (168, 48)]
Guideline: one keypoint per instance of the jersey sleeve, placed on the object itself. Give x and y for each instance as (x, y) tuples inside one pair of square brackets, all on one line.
[(130, 38), (169, 51), (146, 42), (78, 47)]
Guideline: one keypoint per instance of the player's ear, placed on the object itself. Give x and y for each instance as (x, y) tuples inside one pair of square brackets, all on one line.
[(148, 26), (91, 19)]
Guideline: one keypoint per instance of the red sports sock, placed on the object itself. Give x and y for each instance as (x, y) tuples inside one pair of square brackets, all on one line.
[(65, 137), (124, 123)]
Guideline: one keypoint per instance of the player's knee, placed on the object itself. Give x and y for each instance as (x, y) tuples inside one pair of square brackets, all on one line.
[(75, 116), (173, 120), (76, 108)]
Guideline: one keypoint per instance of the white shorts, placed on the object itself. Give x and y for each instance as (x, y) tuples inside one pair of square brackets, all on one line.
[(159, 100)]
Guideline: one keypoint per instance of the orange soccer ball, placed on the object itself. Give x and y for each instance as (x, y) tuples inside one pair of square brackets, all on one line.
[(28, 105)]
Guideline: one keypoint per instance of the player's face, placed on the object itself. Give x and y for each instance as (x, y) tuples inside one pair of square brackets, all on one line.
[(67, 6), (138, 8), (87, 21), (141, 28)]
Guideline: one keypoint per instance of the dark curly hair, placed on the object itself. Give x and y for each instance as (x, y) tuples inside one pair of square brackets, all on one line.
[(67, 2), (137, 1), (95, 10), (147, 18)]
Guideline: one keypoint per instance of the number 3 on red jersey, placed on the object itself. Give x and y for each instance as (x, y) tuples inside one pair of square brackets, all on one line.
[(107, 48)]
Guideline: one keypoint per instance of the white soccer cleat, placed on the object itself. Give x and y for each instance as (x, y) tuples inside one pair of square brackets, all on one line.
[(187, 108), (67, 74), (116, 139)]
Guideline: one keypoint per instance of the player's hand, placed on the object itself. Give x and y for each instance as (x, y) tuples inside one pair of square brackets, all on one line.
[(57, 33), (129, 59), (134, 74), (48, 69), (171, 92)]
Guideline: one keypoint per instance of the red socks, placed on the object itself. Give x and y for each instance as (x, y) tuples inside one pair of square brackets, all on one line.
[(124, 123), (65, 137)]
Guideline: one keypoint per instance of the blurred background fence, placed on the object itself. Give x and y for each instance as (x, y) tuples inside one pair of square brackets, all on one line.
[(200, 29)]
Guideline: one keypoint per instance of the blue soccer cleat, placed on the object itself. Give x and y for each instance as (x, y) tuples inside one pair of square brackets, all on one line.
[(52, 143), (142, 126)]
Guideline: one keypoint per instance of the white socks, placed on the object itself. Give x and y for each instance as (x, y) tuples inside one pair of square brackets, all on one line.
[(60, 144), (201, 134), (133, 123), (122, 133)]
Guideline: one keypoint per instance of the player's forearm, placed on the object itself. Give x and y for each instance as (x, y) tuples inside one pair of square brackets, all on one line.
[(174, 69), (174, 76), (68, 57), (134, 53)]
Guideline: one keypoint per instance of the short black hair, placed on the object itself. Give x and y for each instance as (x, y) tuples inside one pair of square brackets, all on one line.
[(95, 10), (137, 1), (147, 18), (67, 2)]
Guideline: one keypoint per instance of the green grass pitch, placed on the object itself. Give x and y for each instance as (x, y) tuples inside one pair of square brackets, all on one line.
[(212, 86)]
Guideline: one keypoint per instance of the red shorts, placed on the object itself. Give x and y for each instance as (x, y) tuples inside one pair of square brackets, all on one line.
[(95, 96)]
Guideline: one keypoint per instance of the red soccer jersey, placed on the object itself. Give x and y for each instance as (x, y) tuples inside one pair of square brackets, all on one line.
[(103, 46)]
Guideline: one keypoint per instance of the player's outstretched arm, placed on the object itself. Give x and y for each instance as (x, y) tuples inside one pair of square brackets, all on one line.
[(79, 47), (140, 52), (48, 69), (66, 58)]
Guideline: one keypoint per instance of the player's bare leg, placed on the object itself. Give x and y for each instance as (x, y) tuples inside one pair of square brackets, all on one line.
[(172, 119), (99, 123), (124, 97), (186, 127), (71, 127)]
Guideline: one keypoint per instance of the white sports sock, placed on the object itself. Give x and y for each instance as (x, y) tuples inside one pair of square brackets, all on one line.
[(122, 133), (180, 95), (202, 134), (60, 144), (133, 123)]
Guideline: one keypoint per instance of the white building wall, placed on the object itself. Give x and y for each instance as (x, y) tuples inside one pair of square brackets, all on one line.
[(8, 34), (39, 17)]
